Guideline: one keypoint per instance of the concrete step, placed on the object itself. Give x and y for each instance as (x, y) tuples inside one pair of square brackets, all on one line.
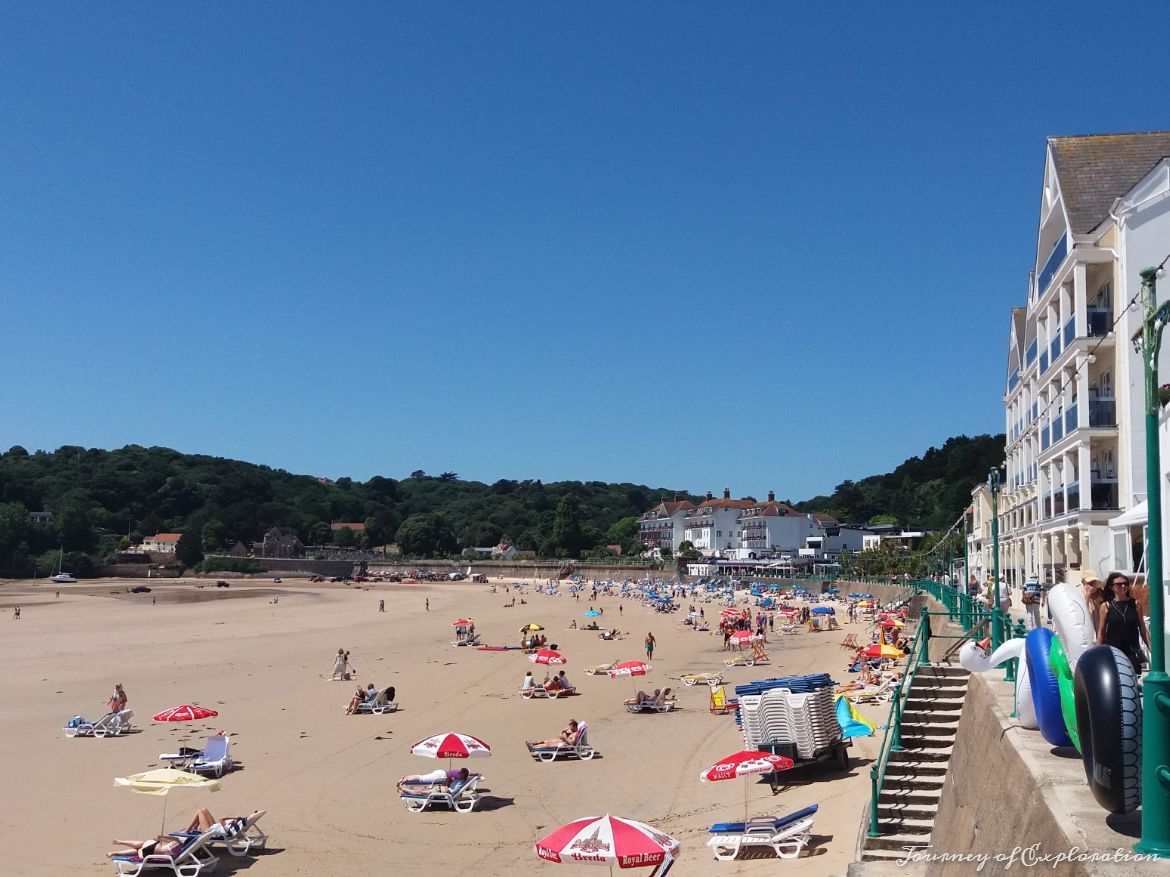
[(920, 742), (920, 716), (947, 682), (879, 855), (951, 705), (944, 669), (916, 797), (930, 771), (940, 728), (902, 813), (925, 753), (925, 785), (916, 827)]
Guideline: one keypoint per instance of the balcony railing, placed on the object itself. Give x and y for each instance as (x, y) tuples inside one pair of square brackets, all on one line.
[(1100, 322), (1103, 413), (1013, 379), (1104, 495), (1058, 503), (1070, 417), (1044, 361), (1055, 350), (1073, 497), (1044, 439), (1057, 429), (1059, 251), (1030, 356), (1070, 331)]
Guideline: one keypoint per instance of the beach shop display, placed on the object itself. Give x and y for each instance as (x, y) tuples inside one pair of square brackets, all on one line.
[(610, 840)]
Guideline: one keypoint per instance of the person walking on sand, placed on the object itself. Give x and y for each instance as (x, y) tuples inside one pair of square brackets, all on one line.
[(650, 642), (16, 614), (428, 604), (381, 605), (339, 665)]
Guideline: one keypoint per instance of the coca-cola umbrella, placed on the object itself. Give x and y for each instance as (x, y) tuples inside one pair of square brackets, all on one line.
[(547, 656), (187, 712), (609, 840), (629, 668)]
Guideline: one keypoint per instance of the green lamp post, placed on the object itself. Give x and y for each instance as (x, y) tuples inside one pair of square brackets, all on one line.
[(1155, 837), (996, 608)]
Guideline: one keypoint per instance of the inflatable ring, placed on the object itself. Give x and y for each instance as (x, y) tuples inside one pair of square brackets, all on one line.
[(973, 659), (1073, 622), (1045, 692), (1109, 718), (1064, 684)]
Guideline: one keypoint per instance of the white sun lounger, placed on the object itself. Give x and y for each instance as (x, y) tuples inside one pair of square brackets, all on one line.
[(215, 757), (653, 705), (786, 836), (539, 691), (382, 703), (462, 798), (581, 749), (241, 839), (600, 669), (109, 725), (191, 859)]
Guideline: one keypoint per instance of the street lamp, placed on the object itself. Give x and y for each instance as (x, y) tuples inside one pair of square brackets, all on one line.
[(996, 609), (1155, 837)]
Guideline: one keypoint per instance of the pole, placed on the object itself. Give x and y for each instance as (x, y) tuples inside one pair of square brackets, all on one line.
[(996, 609), (1155, 837), (966, 571)]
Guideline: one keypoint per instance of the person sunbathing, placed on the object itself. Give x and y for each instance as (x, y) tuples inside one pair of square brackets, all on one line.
[(427, 781), (358, 698), (568, 737), (642, 697), (573, 624), (169, 845), (553, 684)]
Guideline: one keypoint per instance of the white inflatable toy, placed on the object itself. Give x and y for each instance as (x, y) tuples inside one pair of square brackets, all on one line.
[(1070, 617), (974, 657)]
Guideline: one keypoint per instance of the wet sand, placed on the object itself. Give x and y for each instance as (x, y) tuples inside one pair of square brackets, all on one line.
[(326, 779)]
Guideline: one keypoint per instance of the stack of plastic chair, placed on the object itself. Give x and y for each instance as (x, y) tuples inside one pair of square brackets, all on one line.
[(795, 711)]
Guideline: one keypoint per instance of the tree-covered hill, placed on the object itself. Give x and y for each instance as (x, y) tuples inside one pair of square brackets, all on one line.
[(929, 491), (101, 500)]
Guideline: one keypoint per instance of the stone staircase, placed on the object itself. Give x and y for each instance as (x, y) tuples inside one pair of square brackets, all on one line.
[(914, 775)]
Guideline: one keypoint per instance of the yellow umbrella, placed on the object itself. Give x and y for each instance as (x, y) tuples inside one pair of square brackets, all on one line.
[(882, 651), (531, 628), (161, 780)]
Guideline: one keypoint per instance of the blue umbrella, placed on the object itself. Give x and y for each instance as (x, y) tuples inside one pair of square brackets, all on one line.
[(592, 613), (822, 610)]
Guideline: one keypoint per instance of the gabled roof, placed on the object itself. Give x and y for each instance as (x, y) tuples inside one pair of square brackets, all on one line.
[(357, 528), (726, 504), (774, 509), (1096, 169), (673, 508), (822, 518), (165, 537)]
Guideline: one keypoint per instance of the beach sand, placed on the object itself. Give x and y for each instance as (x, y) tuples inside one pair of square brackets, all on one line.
[(327, 779)]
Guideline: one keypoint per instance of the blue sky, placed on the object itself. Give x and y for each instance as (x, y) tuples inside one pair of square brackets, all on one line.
[(757, 246)]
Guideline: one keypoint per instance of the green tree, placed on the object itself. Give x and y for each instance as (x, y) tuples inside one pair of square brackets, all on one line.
[(344, 537), (425, 536), (214, 536), (566, 530), (189, 551)]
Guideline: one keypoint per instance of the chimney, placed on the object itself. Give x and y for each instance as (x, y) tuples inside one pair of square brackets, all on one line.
[(709, 495), (727, 493), (771, 496)]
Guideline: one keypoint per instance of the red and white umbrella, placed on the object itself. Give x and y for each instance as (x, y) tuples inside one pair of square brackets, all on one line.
[(733, 613), (607, 840), (744, 764), (185, 713), (461, 622), (629, 668), (745, 636), (451, 745), (547, 656)]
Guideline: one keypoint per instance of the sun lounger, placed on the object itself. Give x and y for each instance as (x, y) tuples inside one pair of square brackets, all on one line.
[(214, 758), (600, 669), (539, 691), (658, 704), (241, 837), (786, 836), (192, 858), (581, 749), (850, 642), (383, 702), (878, 694), (109, 725), (711, 679), (757, 656), (460, 797)]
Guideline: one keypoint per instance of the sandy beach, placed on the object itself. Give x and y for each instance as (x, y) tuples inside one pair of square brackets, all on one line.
[(327, 779)]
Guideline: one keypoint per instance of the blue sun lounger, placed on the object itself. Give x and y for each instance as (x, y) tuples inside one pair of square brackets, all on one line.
[(787, 836)]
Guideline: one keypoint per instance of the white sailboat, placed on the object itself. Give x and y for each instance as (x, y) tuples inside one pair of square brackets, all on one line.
[(61, 577)]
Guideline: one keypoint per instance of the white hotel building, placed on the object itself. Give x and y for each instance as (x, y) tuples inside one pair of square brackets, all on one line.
[(1074, 398)]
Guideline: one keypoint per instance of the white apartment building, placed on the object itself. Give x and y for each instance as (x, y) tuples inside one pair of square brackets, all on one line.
[(713, 527), (1073, 400), (979, 542), (662, 526), (776, 528)]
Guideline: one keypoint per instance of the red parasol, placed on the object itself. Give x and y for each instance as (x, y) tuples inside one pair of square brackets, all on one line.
[(185, 713)]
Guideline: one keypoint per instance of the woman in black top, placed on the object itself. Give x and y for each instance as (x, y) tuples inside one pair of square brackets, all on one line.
[(1120, 622)]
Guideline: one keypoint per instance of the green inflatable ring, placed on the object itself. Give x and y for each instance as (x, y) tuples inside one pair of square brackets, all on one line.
[(1064, 682)]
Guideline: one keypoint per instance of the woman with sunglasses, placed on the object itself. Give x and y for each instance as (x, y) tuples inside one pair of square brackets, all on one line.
[(1120, 622)]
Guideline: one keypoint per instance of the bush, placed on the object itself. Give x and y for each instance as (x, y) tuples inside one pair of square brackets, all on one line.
[(243, 565)]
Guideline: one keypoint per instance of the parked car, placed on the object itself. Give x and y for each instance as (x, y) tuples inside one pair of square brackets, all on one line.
[(222, 584), (480, 578), (140, 589)]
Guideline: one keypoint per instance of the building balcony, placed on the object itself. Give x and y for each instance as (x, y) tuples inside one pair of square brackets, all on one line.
[(1100, 322), (1105, 495), (1070, 417), (1073, 497), (1055, 258), (1103, 413)]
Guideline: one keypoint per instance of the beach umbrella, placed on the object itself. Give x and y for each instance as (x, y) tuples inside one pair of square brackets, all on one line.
[(882, 651), (531, 628), (822, 610), (547, 656), (744, 764), (451, 745), (745, 636), (161, 781), (461, 622), (592, 613), (629, 668), (608, 840), (890, 622), (185, 713)]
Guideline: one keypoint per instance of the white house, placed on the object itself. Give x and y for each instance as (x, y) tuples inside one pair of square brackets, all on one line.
[(662, 526), (1073, 395), (161, 543), (772, 527), (713, 527)]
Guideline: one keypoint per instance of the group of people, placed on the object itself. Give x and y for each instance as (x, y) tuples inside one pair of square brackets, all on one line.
[(366, 695), (1116, 616), (559, 682), (341, 669)]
